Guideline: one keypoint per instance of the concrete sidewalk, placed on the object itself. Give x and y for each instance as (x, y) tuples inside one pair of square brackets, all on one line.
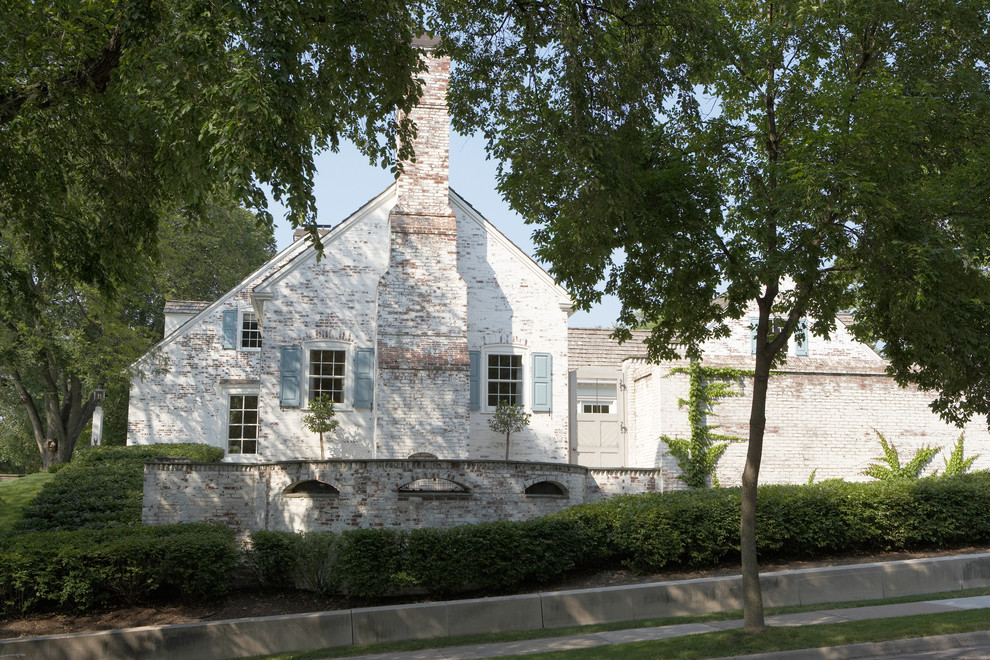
[(592, 640)]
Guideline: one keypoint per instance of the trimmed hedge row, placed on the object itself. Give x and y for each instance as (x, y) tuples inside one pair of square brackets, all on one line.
[(84, 569), (698, 529), (687, 529), (102, 487), (370, 563)]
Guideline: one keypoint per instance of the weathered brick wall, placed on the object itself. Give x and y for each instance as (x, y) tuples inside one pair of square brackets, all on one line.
[(422, 348), (251, 497), (821, 413), (513, 305)]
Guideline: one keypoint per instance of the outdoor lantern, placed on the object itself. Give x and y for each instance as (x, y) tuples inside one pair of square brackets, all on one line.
[(99, 395)]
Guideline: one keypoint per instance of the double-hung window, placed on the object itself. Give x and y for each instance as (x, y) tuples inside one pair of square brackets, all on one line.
[(327, 374), (250, 331), (505, 379), (242, 424)]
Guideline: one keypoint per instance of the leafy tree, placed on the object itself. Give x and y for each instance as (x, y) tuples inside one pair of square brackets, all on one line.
[(115, 114), (888, 467), (59, 342), (321, 419), (508, 419), (810, 156)]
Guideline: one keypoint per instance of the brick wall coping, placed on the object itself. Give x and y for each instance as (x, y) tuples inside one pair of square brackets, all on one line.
[(379, 462)]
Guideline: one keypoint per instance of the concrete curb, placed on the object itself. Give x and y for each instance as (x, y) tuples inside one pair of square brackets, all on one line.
[(246, 637)]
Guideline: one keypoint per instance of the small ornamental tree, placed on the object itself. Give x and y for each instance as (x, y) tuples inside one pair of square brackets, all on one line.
[(508, 419), (321, 419)]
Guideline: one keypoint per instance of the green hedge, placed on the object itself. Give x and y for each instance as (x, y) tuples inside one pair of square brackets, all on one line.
[(370, 563), (84, 569), (698, 529), (653, 532), (101, 487)]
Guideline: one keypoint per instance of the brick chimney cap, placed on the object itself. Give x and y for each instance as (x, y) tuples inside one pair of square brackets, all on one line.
[(426, 41)]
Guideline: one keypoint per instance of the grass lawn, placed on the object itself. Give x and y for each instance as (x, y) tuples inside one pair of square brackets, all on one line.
[(709, 645), (14, 496)]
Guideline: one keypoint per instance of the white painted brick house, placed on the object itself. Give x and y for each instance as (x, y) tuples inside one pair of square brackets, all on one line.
[(417, 319)]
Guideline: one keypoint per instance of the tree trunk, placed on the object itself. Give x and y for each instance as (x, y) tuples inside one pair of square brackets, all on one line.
[(65, 416), (507, 446), (752, 595)]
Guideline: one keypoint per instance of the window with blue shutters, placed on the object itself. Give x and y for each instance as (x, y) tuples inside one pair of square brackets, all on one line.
[(290, 377), (801, 338), (364, 377), (475, 379), (229, 338), (542, 385)]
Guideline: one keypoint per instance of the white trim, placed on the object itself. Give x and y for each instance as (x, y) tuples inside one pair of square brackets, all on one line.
[(240, 331), (524, 374), (462, 206), (241, 389), (266, 286), (347, 404)]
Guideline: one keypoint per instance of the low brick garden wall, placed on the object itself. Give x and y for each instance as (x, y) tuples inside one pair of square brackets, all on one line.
[(337, 495)]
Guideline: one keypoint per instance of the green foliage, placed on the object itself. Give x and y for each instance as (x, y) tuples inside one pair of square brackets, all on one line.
[(61, 341), (956, 464), (698, 456), (371, 561), (508, 419), (889, 465), (320, 418), (318, 565), (274, 556), (102, 487), (85, 569), (813, 158), (699, 528), (113, 115)]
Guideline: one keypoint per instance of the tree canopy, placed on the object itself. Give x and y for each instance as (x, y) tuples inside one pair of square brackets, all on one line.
[(114, 115), (811, 156), (60, 341)]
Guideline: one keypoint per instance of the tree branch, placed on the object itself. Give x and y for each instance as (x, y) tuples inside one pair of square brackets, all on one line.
[(94, 75)]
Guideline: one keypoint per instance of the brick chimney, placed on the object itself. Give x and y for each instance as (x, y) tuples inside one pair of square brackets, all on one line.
[(421, 392)]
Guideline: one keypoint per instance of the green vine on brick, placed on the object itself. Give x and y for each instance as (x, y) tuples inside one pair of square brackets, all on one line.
[(698, 455)]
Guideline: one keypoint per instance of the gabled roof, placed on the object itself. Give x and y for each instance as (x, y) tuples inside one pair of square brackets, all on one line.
[(300, 251), (387, 198)]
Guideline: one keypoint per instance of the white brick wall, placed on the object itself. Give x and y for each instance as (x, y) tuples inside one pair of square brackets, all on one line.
[(821, 413)]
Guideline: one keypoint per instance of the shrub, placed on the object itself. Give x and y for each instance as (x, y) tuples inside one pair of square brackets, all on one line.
[(102, 487), (82, 569), (371, 561), (318, 562), (274, 557)]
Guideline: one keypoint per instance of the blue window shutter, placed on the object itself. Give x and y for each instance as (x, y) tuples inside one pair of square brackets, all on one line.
[(542, 392), (229, 328), (801, 346), (475, 379), (364, 377), (753, 322), (290, 377)]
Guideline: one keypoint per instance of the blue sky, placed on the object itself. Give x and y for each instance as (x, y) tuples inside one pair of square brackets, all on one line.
[(345, 181)]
